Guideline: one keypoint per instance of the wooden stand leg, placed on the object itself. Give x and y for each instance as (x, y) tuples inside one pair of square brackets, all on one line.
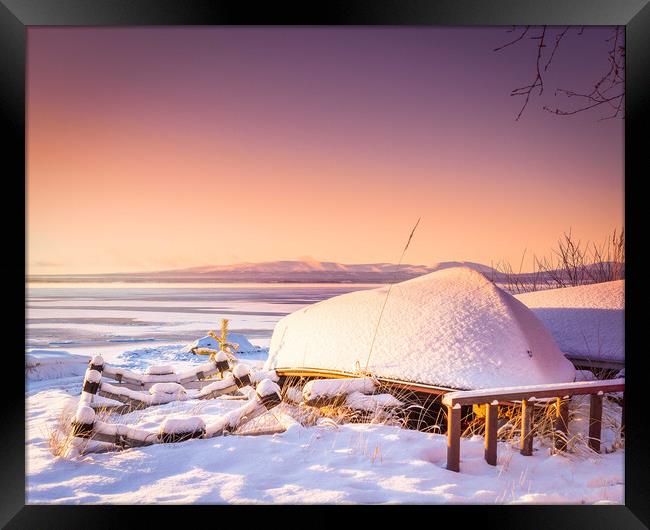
[(623, 416), (561, 423), (453, 438), (491, 415), (595, 421), (526, 441)]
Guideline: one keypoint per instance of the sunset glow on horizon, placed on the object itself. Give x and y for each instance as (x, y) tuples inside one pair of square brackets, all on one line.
[(162, 148)]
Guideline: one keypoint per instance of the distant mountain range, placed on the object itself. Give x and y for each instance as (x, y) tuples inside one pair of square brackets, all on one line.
[(301, 271)]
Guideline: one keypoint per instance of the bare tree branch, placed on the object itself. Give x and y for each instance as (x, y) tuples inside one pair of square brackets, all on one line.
[(538, 81), (559, 37), (514, 41), (612, 81)]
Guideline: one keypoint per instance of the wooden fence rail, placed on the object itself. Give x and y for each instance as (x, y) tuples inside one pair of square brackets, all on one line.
[(493, 397)]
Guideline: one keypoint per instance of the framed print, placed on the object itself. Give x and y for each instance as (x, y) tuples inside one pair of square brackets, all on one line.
[(359, 255)]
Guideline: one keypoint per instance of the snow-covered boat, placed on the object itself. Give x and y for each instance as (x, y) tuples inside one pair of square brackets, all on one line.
[(450, 329), (586, 321)]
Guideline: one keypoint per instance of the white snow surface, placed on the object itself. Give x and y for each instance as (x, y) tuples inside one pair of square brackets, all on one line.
[(586, 321), (352, 463), (182, 425), (451, 328), (208, 342), (49, 364), (266, 387), (359, 401), (93, 376), (328, 388), (160, 369), (84, 414), (167, 388), (98, 360), (240, 370)]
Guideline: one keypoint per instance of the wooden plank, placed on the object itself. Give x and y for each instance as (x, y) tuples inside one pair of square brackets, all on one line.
[(473, 397), (595, 421), (133, 403), (196, 385), (491, 418), (453, 438), (561, 423), (526, 440)]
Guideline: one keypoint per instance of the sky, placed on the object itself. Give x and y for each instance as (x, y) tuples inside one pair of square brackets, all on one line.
[(170, 147)]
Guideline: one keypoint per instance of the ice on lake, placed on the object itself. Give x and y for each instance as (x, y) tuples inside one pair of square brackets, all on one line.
[(136, 325)]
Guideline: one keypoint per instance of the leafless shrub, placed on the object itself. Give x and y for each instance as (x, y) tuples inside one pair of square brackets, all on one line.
[(570, 264)]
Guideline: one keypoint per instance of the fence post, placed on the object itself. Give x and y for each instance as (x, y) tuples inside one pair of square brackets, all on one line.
[(453, 437), (526, 441), (595, 421), (561, 423), (491, 416)]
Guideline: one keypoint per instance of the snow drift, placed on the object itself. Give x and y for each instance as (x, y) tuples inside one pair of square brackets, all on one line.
[(50, 364), (208, 342), (451, 328), (587, 321)]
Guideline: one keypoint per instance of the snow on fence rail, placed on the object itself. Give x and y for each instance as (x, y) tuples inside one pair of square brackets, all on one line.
[(162, 384), (162, 374), (492, 397), (86, 426)]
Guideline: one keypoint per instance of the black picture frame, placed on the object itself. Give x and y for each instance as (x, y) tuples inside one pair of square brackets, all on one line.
[(17, 15)]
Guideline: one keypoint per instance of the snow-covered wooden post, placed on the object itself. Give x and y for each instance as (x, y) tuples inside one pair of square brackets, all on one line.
[(83, 422), (221, 362), (180, 429), (491, 418), (595, 420), (97, 363), (92, 379), (453, 437), (526, 439), (242, 375)]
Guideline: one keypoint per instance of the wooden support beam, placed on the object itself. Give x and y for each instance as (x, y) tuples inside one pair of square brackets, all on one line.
[(623, 416), (595, 421), (453, 438), (561, 423), (526, 440), (491, 415)]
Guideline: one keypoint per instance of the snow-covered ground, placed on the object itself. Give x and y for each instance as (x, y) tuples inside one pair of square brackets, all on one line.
[(352, 463)]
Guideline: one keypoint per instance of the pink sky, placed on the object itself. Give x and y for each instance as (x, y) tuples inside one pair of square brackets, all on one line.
[(158, 148)]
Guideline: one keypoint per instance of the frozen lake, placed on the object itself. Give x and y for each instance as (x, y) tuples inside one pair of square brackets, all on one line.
[(138, 320)]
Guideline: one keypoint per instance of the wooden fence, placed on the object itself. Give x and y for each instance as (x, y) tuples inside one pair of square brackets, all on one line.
[(493, 397)]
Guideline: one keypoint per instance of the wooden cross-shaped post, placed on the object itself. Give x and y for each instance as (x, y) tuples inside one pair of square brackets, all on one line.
[(224, 345), (228, 348)]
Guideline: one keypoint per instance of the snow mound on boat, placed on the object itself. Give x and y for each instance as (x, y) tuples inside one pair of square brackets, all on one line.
[(51, 364), (208, 342), (451, 328), (587, 321)]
